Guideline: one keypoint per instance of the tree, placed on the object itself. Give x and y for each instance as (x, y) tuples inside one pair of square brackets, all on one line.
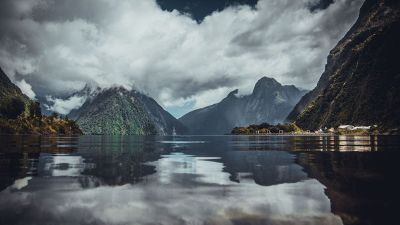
[(35, 110), (54, 115), (11, 108)]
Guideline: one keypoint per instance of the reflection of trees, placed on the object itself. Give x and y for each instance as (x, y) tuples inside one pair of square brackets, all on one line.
[(361, 186), (113, 160), (15, 165), (312, 142), (25, 143), (20, 154), (119, 172), (257, 143), (118, 160), (343, 143)]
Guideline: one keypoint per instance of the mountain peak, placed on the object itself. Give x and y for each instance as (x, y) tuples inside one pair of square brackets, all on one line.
[(265, 83), (267, 80), (118, 110), (233, 93), (270, 102), (117, 88)]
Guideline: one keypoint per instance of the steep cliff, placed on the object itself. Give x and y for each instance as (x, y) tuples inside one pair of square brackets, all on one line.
[(12, 101), (21, 115), (360, 84)]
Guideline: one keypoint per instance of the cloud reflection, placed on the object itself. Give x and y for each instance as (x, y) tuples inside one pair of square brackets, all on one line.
[(185, 190)]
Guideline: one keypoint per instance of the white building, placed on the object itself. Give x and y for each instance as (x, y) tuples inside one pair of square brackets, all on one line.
[(351, 127)]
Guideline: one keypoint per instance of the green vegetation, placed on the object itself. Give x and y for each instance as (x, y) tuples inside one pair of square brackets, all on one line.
[(352, 132), (20, 115), (115, 112), (360, 83), (266, 128), (12, 107), (31, 121), (374, 130)]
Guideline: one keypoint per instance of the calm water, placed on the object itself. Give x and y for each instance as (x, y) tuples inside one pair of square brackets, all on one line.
[(199, 180)]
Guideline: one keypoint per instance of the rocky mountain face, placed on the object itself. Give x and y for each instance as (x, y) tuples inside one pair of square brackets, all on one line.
[(21, 115), (9, 90), (119, 111), (360, 84), (164, 122), (12, 101), (269, 102)]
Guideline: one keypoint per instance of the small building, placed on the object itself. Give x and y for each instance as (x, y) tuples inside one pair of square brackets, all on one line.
[(346, 127), (362, 128), (351, 127)]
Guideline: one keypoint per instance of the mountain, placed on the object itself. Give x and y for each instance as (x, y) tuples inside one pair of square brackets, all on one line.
[(12, 101), (269, 102), (360, 84), (20, 115), (119, 111), (164, 122), (7, 87)]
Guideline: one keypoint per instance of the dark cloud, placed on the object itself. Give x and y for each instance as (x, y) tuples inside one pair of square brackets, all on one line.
[(319, 5), (61, 10)]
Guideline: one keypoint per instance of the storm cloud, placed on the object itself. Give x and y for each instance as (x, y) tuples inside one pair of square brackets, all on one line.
[(58, 46)]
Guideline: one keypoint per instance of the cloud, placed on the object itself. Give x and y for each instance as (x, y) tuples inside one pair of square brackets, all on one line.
[(26, 89), (58, 46), (62, 106)]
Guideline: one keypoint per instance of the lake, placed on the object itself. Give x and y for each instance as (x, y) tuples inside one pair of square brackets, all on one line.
[(118, 180)]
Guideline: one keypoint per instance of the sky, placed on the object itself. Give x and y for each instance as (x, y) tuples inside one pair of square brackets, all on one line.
[(186, 54)]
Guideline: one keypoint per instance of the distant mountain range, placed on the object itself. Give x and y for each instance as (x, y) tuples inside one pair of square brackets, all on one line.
[(119, 111), (361, 82), (269, 102)]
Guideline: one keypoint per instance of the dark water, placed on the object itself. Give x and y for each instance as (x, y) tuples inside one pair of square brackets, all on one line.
[(199, 180)]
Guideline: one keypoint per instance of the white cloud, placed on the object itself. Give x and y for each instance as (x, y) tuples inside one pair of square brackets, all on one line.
[(62, 106), (136, 44), (26, 89), (200, 100)]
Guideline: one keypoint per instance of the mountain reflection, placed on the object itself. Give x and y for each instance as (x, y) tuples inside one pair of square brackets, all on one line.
[(187, 190), (193, 180)]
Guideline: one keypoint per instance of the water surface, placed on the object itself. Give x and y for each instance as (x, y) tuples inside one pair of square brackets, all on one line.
[(199, 180)]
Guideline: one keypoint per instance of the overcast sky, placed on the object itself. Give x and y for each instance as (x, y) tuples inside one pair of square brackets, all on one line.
[(185, 54)]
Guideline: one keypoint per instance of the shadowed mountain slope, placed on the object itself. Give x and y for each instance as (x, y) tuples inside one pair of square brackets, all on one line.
[(269, 102), (360, 84)]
